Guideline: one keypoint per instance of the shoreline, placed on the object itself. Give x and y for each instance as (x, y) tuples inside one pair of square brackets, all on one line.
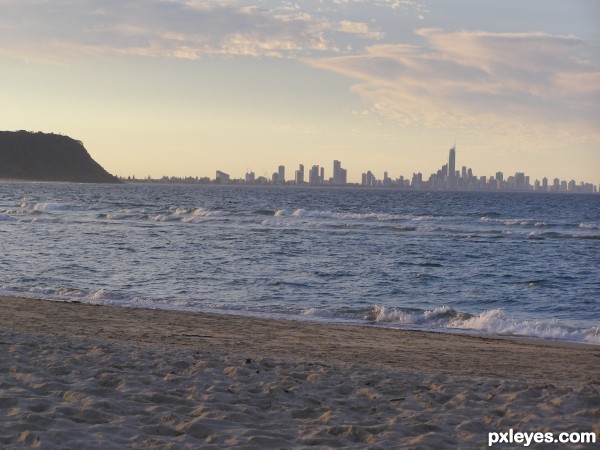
[(316, 320), (357, 186), (312, 339), (75, 375)]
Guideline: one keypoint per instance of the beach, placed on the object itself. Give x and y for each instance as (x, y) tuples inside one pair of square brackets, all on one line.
[(75, 375)]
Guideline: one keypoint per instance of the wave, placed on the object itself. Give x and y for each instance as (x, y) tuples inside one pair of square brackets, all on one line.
[(172, 214), (318, 313), (509, 222), (497, 322), (32, 210), (101, 296), (49, 207), (494, 322), (542, 229), (444, 318), (45, 207), (437, 316), (303, 213)]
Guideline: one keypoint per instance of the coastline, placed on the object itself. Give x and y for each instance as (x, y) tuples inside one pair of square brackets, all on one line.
[(448, 353), (86, 376)]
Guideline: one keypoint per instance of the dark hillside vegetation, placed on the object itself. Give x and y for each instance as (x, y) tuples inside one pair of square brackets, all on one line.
[(48, 157)]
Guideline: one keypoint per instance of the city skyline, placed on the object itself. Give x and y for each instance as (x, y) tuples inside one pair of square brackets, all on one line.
[(162, 87), (445, 178)]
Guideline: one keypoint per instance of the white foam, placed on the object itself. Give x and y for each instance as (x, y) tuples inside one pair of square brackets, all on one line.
[(303, 213), (422, 218), (198, 215), (45, 207), (118, 216), (436, 317), (494, 322), (163, 218), (511, 222)]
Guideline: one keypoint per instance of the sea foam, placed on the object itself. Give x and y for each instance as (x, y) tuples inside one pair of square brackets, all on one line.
[(493, 321)]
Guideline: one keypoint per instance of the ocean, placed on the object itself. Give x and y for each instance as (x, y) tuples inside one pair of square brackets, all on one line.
[(520, 264)]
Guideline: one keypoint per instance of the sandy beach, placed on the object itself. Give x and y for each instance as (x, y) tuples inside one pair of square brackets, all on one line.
[(76, 376)]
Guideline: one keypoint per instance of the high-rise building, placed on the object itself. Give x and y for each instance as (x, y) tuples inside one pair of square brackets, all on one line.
[(387, 181), (281, 175), (520, 180), (222, 177), (556, 184), (300, 175), (368, 179), (452, 163), (417, 180), (337, 167), (313, 176), (336, 171), (339, 174)]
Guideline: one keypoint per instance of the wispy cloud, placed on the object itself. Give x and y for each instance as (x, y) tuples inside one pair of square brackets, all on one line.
[(478, 79), (191, 29), (444, 79)]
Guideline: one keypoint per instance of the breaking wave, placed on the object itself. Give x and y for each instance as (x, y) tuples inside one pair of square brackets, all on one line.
[(494, 321)]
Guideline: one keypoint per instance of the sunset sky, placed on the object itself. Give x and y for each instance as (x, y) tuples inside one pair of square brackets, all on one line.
[(187, 87)]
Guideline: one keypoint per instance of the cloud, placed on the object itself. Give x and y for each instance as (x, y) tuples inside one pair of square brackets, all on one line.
[(190, 29), (478, 79)]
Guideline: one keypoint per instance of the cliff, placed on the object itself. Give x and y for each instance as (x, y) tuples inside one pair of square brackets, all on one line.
[(48, 157)]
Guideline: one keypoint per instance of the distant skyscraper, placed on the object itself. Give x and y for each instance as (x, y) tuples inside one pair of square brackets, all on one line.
[(386, 179), (368, 179), (520, 180), (281, 175), (300, 175), (452, 163), (337, 167), (222, 177), (339, 174), (313, 176)]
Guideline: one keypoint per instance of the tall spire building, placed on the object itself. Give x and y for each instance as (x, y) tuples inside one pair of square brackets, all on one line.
[(452, 163)]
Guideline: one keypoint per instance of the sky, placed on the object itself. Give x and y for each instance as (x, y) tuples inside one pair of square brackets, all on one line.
[(188, 87)]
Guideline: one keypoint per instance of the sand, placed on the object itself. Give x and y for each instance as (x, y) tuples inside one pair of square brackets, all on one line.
[(77, 376)]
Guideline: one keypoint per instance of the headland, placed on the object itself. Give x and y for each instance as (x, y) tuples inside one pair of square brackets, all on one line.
[(27, 156)]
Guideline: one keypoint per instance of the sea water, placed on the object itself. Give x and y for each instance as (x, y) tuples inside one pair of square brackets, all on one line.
[(469, 262)]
